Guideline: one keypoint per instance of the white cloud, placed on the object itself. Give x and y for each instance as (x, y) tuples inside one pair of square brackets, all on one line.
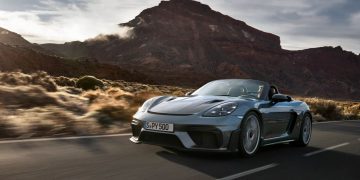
[(70, 22), (300, 24), (355, 21)]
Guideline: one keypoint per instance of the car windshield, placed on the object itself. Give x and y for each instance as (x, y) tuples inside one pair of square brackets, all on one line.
[(233, 88)]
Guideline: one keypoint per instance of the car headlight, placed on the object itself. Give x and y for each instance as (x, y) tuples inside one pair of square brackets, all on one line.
[(221, 110), (146, 105)]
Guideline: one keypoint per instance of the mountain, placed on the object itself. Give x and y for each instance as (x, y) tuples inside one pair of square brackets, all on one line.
[(18, 54), (13, 39), (185, 42)]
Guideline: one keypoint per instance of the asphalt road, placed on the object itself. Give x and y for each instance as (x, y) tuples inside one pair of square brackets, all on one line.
[(334, 153)]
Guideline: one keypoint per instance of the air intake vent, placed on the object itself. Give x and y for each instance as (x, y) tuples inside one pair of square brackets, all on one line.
[(172, 98), (215, 101)]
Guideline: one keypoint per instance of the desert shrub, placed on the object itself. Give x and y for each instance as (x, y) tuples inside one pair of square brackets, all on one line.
[(352, 111), (38, 78), (327, 109), (43, 79), (45, 121), (108, 114), (324, 109), (110, 105), (6, 129), (42, 129), (141, 97), (64, 81), (89, 82), (14, 78), (179, 93), (25, 97)]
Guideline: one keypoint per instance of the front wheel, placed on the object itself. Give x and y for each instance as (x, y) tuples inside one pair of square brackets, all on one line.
[(305, 131), (250, 135)]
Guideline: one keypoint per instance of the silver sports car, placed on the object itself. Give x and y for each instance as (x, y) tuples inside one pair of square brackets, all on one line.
[(223, 115)]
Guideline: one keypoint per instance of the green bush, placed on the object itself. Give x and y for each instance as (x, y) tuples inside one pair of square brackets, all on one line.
[(89, 82)]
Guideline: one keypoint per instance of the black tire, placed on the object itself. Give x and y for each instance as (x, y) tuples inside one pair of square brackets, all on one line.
[(245, 135), (306, 126)]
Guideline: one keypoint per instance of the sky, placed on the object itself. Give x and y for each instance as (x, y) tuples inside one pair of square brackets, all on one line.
[(299, 23)]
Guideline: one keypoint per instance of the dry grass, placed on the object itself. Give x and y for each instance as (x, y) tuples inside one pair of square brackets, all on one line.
[(325, 109), (34, 105), (39, 105)]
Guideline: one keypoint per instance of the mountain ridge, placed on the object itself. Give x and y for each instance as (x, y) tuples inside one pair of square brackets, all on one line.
[(16, 53), (186, 43)]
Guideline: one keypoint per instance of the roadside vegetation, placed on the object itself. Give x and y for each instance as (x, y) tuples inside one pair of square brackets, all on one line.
[(325, 109), (40, 105)]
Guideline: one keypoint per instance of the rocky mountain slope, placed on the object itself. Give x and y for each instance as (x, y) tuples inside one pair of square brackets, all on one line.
[(13, 39), (184, 42), (18, 54)]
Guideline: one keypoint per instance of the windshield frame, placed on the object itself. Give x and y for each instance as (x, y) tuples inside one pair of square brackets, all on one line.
[(263, 94)]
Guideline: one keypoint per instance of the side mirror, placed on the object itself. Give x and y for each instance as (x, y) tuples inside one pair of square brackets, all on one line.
[(281, 98), (189, 93)]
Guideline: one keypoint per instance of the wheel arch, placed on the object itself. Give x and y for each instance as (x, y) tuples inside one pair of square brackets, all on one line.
[(238, 146), (302, 115), (234, 140), (300, 119), (257, 112), (310, 114)]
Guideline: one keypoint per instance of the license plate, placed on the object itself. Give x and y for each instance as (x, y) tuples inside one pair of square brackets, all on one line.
[(156, 126)]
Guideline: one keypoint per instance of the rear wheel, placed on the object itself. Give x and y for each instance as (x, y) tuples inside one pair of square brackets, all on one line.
[(250, 135), (305, 131)]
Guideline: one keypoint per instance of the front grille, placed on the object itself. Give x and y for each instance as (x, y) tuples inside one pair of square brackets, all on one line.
[(161, 139), (206, 139)]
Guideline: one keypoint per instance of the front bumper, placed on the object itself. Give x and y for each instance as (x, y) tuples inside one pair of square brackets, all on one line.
[(199, 134)]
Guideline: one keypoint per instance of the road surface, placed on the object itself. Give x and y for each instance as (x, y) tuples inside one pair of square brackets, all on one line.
[(334, 153)]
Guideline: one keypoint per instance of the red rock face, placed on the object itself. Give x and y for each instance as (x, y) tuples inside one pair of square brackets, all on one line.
[(184, 42)]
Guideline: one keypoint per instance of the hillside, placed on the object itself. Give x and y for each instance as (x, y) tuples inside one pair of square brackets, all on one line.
[(184, 42), (18, 54), (13, 39)]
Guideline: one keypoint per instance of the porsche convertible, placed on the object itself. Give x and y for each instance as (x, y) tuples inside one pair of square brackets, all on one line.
[(230, 115)]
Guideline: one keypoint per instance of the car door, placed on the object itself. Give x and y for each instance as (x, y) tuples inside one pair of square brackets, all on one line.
[(276, 118), (276, 115)]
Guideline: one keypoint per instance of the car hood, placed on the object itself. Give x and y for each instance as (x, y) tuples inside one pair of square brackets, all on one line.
[(188, 105)]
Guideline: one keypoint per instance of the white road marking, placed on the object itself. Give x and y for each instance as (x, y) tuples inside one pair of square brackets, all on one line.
[(62, 138), (326, 122), (248, 172), (326, 149)]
